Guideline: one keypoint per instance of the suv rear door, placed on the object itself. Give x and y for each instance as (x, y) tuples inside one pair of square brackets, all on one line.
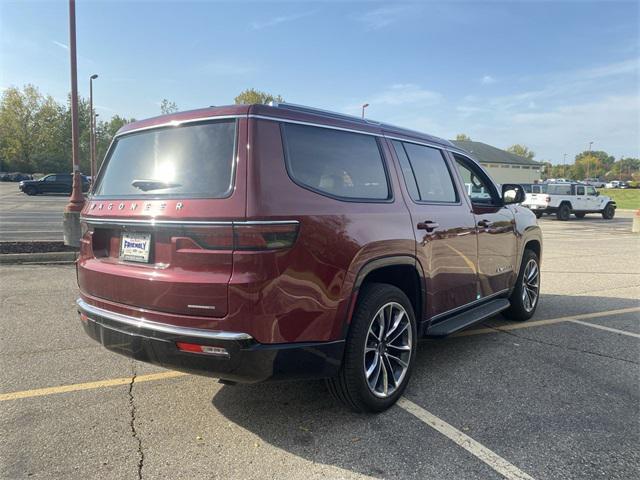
[(496, 227), (443, 226), (159, 228)]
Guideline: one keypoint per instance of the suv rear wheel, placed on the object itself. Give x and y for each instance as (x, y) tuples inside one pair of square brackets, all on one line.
[(380, 350), (525, 295), (608, 212), (564, 211)]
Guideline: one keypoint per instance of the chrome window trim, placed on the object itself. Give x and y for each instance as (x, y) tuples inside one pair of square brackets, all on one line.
[(141, 324), (177, 123), (180, 223)]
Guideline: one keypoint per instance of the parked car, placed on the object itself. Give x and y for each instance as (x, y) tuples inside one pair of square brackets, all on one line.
[(285, 242), (563, 199), (15, 177), (52, 183), (594, 182)]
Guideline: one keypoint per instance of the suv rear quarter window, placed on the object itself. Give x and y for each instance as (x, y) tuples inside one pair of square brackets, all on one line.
[(335, 163)]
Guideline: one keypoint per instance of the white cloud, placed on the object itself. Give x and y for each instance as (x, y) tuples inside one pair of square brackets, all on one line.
[(487, 80), (384, 16), (404, 94), (226, 68), (272, 22)]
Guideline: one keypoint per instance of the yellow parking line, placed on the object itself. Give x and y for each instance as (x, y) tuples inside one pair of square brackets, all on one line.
[(39, 392), (113, 382), (551, 321)]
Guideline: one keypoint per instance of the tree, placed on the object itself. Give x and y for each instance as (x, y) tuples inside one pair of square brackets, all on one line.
[(250, 96), (463, 137), (167, 107), (521, 151)]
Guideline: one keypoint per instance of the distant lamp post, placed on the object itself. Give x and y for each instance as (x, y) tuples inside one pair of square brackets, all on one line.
[(92, 129), (95, 146), (589, 159), (564, 166), (71, 221), (363, 107)]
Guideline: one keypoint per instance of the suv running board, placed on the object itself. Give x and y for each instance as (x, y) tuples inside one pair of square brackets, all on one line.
[(467, 318)]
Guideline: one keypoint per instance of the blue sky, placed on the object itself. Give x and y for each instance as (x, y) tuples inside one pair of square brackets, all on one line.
[(551, 75)]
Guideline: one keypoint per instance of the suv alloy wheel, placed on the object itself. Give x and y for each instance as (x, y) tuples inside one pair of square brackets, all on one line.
[(564, 211), (380, 350), (526, 293), (608, 212)]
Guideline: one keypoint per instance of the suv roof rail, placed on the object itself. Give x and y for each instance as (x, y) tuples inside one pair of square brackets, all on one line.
[(352, 118), (329, 113)]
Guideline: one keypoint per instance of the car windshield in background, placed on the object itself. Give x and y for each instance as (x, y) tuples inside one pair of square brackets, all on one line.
[(192, 160), (559, 189)]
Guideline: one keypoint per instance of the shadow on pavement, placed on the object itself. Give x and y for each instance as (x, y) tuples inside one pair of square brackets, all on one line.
[(301, 417)]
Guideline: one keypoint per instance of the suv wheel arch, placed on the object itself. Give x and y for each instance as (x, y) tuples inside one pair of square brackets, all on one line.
[(381, 270)]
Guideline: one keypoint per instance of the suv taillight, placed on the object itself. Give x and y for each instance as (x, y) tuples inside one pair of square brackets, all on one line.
[(258, 236)]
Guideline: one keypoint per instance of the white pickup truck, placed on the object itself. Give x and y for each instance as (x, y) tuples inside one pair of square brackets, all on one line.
[(563, 199)]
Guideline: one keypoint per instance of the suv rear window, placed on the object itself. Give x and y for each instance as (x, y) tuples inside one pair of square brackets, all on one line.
[(340, 164), (195, 160)]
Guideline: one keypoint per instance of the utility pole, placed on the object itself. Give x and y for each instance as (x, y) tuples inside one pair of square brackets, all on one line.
[(71, 222), (589, 159), (363, 107), (92, 132), (564, 166)]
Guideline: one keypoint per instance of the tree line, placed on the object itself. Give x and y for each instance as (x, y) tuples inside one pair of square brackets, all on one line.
[(35, 136)]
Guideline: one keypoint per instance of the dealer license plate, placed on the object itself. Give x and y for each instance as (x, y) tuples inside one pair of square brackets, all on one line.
[(135, 247)]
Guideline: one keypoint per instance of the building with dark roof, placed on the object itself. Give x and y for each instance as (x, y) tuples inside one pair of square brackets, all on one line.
[(503, 166)]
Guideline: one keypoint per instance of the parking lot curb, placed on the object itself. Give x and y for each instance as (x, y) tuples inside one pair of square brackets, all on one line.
[(46, 257)]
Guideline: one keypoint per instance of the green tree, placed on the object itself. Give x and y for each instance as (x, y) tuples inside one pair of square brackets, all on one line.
[(521, 151), (251, 96), (463, 137), (167, 107)]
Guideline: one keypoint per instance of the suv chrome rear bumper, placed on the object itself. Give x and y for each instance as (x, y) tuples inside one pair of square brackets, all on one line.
[(246, 361)]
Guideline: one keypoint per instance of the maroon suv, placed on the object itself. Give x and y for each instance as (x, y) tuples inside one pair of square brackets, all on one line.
[(257, 242)]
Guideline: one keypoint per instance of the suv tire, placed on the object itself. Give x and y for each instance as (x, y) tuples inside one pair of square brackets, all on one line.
[(609, 212), (564, 211), (360, 385), (29, 190), (526, 293)]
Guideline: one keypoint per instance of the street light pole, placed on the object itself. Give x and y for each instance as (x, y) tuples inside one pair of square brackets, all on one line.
[(363, 107), (564, 166), (95, 147), (71, 223), (589, 159), (92, 130)]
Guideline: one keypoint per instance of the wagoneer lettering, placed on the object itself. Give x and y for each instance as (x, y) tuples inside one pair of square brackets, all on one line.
[(325, 250)]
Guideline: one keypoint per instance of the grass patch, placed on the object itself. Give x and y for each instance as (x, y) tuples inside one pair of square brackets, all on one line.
[(624, 198)]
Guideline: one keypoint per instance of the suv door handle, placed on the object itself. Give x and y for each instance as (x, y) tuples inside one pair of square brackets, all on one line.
[(484, 223), (428, 225)]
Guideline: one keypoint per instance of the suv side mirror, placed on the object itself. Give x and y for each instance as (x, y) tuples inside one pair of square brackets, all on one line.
[(512, 193)]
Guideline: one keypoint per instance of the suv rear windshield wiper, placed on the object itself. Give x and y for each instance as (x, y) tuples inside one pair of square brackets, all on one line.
[(146, 185)]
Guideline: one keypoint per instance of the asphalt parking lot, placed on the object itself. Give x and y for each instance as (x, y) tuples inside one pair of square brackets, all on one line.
[(556, 397), (25, 218)]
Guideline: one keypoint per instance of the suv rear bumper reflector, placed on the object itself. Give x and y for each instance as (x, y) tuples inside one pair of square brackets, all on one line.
[(152, 222), (133, 325)]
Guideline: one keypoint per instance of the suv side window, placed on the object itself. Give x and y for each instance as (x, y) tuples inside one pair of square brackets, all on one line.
[(479, 188), (339, 164), (591, 191), (51, 178), (580, 190), (426, 173)]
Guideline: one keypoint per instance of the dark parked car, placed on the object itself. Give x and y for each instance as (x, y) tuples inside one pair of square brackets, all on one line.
[(53, 183), (255, 242), (14, 177)]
